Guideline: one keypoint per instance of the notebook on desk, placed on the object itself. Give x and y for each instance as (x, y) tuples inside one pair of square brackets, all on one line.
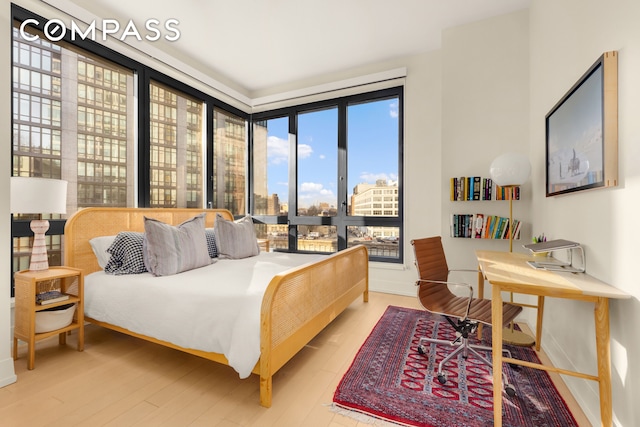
[(554, 266)]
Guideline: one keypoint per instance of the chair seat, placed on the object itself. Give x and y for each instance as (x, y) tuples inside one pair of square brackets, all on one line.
[(480, 310)]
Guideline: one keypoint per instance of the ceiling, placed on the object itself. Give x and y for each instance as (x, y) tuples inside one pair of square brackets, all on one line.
[(257, 45)]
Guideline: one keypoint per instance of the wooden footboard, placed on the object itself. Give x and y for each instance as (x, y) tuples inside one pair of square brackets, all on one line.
[(297, 304)]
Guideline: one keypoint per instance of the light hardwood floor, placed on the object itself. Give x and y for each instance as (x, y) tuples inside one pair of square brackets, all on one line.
[(122, 381)]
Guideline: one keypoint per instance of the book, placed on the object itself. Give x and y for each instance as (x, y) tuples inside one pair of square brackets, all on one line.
[(476, 188), (478, 225), (51, 297), (452, 189)]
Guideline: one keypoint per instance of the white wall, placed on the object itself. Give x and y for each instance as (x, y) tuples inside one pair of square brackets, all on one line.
[(485, 113), (566, 38)]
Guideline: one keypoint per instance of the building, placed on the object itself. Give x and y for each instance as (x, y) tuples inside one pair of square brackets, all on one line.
[(379, 199)]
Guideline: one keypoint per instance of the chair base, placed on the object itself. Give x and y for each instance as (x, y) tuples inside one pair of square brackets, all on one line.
[(462, 346)]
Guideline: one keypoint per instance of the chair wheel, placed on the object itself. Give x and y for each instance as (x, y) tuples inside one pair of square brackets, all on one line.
[(511, 391), (422, 350), (442, 379)]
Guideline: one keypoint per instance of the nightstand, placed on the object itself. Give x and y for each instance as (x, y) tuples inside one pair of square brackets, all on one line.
[(28, 284)]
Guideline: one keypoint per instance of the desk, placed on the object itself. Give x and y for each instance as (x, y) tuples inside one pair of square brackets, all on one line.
[(510, 272)]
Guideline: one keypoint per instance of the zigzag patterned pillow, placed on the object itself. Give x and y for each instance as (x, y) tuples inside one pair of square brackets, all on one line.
[(127, 255), (210, 234)]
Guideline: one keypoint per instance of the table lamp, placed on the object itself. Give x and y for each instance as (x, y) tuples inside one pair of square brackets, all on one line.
[(511, 170), (37, 196)]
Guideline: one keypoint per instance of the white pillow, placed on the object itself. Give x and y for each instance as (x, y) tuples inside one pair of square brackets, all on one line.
[(100, 246)]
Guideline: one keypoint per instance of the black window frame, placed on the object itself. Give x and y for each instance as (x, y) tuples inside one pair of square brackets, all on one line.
[(342, 220)]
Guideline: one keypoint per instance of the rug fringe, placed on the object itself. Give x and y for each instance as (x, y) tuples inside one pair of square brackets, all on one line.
[(363, 417)]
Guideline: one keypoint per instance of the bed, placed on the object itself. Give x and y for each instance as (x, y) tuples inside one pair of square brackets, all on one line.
[(296, 305)]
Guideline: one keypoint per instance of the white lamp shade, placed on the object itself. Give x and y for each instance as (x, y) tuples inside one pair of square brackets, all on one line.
[(38, 195), (510, 169)]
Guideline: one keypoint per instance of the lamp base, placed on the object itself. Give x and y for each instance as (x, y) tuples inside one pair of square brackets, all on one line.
[(519, 338), (39, 259)]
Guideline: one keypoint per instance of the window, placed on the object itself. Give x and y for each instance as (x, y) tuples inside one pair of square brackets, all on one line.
[(317, 152), (271, 148), (91, 144), (177, 144), (372, 141), (229, 161), (343, 180), (72, 120)]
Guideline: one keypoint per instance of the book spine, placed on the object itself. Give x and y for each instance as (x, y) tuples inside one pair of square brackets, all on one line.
[(476, 188)]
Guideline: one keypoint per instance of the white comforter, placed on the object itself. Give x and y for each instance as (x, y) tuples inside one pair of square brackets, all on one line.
[(214, 308)]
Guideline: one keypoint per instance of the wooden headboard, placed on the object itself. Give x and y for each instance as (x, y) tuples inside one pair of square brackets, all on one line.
[(94, 222)]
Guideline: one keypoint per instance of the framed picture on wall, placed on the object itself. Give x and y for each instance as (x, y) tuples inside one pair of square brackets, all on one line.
[(582, 132)]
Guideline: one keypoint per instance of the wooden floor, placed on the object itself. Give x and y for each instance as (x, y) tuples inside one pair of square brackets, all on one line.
[(123, 381)]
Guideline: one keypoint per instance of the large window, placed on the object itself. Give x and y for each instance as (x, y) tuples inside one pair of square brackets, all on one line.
[(229, 162), (177, 143), (120, 132), (317, 156), (72, 120), (342, 183)]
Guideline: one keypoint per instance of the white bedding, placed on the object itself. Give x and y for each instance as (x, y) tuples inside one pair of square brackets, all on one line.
[(214, 308)]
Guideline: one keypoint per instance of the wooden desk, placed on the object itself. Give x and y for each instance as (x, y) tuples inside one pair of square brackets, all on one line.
[(510, 272)]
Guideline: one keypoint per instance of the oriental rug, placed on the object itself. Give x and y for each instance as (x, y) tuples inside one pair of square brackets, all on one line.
[(390, 380)]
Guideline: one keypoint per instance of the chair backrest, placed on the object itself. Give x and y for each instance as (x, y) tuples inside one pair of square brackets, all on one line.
[(432, 265), (430, 259)]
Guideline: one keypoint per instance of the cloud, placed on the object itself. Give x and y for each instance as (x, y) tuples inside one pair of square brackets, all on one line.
[(277, 150), (307, 187), (312, 193), (371, 178), (304, 151), (322, 157), (393, 110)]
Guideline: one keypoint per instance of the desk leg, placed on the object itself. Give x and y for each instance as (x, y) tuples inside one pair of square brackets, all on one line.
[(604, 359), (496, 330), (480, 295), (539, 322)]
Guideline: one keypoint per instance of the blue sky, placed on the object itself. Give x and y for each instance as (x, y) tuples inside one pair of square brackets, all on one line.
[(373, 151)]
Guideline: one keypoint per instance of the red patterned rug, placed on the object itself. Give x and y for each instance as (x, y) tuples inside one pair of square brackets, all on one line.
[(390, 380)]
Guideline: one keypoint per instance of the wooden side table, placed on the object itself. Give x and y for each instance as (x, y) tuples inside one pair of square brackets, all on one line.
[(69, 281)]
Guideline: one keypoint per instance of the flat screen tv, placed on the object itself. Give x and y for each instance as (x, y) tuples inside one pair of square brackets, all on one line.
[(582, 132)]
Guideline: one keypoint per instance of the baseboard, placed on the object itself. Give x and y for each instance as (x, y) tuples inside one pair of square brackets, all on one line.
[(7, 373), (584, 392)]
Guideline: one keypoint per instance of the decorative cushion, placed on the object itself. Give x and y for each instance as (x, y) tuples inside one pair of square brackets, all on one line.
[(173, 249), (236, 239), (210, 235), (100, 245), (126, 254)]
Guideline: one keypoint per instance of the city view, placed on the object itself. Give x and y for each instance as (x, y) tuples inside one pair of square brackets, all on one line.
[(372, 177)]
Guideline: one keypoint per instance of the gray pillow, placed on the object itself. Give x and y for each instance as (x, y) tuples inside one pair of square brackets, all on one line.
[(173, 249), (236, 239)]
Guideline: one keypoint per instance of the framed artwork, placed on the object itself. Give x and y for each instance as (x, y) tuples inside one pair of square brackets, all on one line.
[(582, 132)]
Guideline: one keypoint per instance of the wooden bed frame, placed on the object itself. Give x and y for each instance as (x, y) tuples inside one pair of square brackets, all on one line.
[(296, 306)]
